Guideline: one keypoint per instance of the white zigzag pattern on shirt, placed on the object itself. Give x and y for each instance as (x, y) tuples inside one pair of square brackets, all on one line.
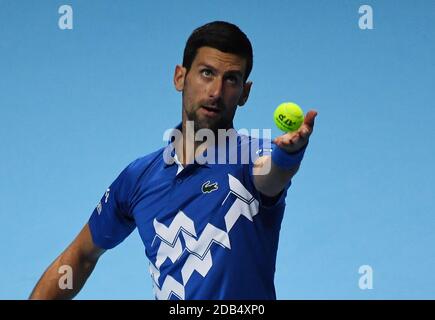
[(170, 246), (199, 258), (170, 287), (198, 249)]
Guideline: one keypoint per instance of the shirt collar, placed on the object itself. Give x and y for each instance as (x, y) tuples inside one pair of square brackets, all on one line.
[(170, 157)]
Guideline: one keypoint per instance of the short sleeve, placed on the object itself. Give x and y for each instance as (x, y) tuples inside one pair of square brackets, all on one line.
[(111, 221)]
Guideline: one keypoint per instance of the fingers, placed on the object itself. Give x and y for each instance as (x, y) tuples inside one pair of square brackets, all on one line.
[(307, 128), (291, 138), (305, 132), (309, 118), (295, 140)]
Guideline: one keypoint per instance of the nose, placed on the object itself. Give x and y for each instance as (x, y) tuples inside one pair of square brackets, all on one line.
[(215, 89)]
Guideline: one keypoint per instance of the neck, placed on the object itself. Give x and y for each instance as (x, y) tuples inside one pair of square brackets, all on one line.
[(187, 148)]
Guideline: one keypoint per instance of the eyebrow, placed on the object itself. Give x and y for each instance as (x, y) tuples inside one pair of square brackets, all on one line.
[(233, 72)]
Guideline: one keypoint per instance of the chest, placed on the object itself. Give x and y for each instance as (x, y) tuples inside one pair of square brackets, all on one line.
[(169, 207)]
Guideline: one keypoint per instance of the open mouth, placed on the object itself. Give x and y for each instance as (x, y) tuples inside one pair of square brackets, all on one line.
[(210, 111)]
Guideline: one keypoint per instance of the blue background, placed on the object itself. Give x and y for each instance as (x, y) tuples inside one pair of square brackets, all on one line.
[(76, 106)]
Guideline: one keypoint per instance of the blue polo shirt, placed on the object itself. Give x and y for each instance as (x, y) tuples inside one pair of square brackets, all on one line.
[(207, 232)]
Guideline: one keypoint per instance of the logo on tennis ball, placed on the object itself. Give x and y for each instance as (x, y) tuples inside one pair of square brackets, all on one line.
[(288, 117)]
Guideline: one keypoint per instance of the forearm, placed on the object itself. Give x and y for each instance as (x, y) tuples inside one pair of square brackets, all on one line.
[(52, 284), (273, 173), (64, 278), (269, 178)]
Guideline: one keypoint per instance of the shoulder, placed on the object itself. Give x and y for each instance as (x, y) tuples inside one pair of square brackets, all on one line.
[(143, 163), (139, 166)]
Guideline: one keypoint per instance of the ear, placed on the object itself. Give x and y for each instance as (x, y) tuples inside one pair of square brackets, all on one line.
[(179, 76), (245, 95)]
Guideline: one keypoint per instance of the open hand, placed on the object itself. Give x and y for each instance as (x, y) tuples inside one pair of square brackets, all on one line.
[(296, 140)]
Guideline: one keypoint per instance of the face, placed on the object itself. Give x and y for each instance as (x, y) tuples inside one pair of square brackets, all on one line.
[(213, 88)]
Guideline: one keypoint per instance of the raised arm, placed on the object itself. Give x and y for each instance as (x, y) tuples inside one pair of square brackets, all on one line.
[(272, 183), (80, 257)]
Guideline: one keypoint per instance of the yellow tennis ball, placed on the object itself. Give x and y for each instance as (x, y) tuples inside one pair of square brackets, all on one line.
[(288, 116)]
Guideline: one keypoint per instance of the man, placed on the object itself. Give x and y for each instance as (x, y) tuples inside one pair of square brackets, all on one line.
[(210, 230)]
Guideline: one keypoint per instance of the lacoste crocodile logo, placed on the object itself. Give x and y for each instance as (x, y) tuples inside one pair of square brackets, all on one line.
[(207, 187)]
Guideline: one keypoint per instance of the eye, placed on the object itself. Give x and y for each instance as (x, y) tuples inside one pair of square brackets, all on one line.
[(206, 73), (233, 80)]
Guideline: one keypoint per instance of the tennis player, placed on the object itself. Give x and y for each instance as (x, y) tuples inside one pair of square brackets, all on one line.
[(210, 228)]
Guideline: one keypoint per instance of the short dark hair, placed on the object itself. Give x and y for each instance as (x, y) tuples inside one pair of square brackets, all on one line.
[(220, 35)]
